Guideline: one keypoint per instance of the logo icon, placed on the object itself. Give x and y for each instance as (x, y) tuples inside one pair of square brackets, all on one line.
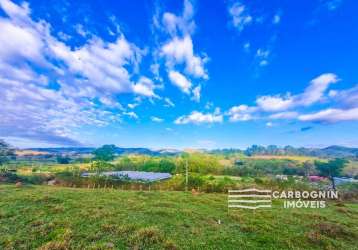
[(251, 198)]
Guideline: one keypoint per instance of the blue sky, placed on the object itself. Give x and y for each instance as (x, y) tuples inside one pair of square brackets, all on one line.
[(179, 74)]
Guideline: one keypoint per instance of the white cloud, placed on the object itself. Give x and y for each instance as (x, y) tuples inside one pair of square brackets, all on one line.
[(131, 114), (145, 87), (180, 24), (132, 105), (81, 31), (282, 104), (180, 51), (156, 119), (197, 93), (331, 115), (247, 46), (346, 98), (168, 102), (199, 118), (284, 115), (269, 124), (275, 103), (209, 105), (101, 64), (180, 81), (314, 92), (262, 56), (240, 16), (241, 113), (276, 19), (333, 4), (97, 70)]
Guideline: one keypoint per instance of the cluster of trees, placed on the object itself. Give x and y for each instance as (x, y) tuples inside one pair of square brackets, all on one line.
[(7, 152), (275, 150), (331, 169), (329, 152)]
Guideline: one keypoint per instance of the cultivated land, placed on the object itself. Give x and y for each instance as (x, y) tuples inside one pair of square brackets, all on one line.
[(47, 217)]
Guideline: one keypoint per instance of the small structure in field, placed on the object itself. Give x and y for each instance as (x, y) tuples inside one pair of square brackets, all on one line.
[(133, 175), (316, 178)]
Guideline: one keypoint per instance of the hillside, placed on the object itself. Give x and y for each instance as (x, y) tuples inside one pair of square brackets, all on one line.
[(66, 218), (328, 152)]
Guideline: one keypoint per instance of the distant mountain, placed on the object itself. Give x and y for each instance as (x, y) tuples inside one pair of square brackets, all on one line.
[(119, 151), (328, 152), (340, 151), (64, 150)]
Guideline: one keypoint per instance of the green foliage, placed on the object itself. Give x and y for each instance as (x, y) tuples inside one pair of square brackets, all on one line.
[(105, 153), (63, 159), (331, 168), (100, 166), (6, 152), (262, 167), (199, 163), (161, 165)]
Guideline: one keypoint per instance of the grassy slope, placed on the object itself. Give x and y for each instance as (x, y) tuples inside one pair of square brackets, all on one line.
[(61, 218)]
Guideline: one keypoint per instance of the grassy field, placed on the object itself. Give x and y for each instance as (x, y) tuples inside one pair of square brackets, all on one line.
[(284, 157), (53, 218)]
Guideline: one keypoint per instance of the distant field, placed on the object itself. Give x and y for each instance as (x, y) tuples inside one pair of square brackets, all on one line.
[(66, 218), (25, 152), (288, 157)]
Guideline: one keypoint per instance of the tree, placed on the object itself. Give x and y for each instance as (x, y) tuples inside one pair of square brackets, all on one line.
[(331, 169), (6, 152), (63, 159), (105, 153), (308, 167)]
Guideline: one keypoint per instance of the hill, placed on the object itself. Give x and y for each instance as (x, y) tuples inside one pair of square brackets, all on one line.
[(119, 151)]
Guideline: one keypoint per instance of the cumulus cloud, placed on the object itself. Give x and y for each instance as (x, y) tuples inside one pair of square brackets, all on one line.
[(180, 51), (281, 106), (274, 103), (180, 24), (181, 62), (180, 81), (239, 16), (312, 94), (241, 113), (145, 87), (197, 117), (85, 79)]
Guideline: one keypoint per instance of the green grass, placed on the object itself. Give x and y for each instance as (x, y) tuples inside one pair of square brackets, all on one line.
[(53, 218)]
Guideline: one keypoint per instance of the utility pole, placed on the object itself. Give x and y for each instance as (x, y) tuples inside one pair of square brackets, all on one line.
[(186, 175)]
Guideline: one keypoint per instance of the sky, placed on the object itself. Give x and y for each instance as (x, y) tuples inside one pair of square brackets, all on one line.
[(179, 74)]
